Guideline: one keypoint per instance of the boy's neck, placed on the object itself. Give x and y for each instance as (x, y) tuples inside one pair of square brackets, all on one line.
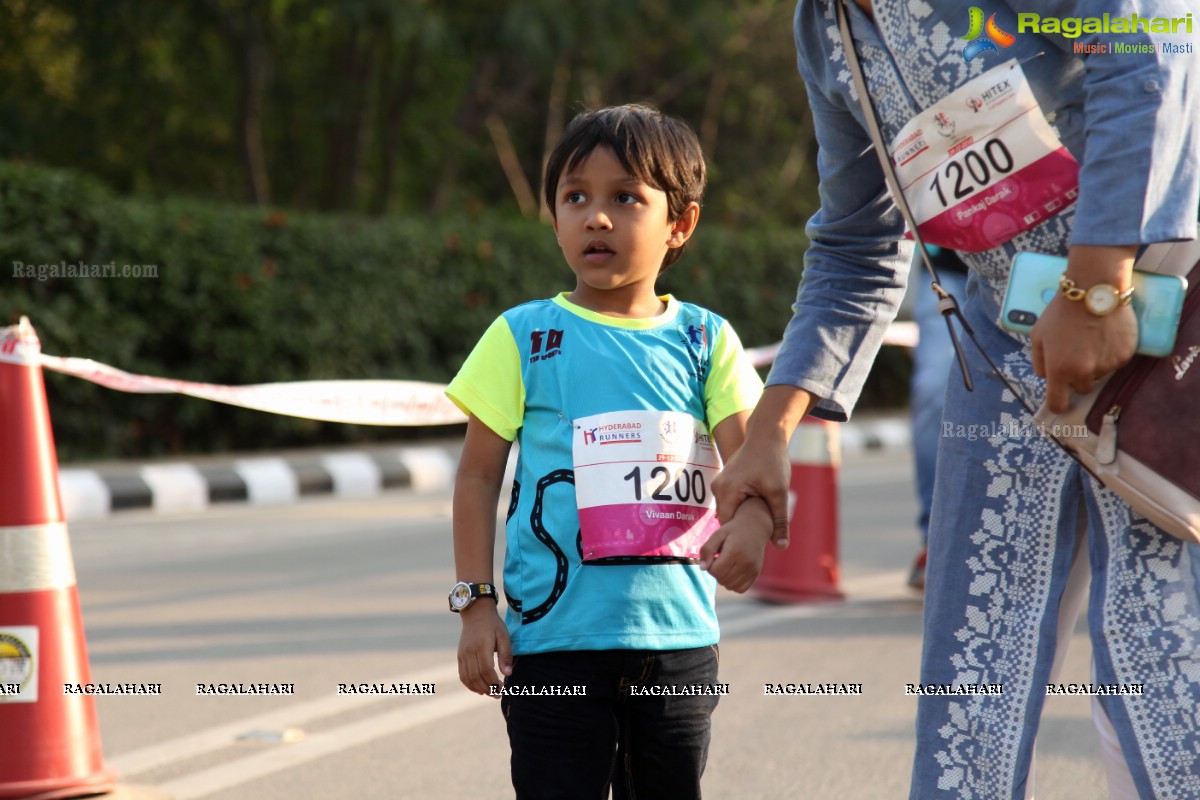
[(624, 305)]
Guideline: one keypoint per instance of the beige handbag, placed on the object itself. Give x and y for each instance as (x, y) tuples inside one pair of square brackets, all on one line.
[(1138, 432)]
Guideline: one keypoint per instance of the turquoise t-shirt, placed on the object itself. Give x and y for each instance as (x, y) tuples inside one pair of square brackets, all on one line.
[(546, 363)]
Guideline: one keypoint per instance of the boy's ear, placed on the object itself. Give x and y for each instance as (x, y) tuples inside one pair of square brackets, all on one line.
[(683, 228)]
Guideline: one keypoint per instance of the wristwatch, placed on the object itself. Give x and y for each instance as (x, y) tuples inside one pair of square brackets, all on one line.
[(1102, 299), (464, 594)]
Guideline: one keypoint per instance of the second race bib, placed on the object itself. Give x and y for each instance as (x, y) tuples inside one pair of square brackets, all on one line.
[(983, 164)]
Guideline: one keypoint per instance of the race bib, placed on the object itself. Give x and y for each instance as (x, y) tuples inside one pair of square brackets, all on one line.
[(642, 480), (983, 164)]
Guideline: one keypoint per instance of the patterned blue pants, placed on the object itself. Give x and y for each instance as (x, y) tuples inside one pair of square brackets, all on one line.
[(1011, 510)]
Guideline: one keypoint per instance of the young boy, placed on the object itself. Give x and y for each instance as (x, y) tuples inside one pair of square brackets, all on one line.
[(611, 391)]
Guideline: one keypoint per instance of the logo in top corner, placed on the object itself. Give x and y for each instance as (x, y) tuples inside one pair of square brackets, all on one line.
[(981, 36), (612, 433), (668, 431), (16, 664), (544, 345)]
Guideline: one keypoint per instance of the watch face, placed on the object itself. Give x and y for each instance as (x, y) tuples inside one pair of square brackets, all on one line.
[(1101, 299), (460, 596)]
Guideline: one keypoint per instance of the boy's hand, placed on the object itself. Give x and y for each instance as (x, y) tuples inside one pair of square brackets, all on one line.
[(761, 471), (483, 640), (734, 553)]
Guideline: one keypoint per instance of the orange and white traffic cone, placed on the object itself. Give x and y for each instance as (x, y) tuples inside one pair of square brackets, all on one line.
[(51, 736), (808, 569)]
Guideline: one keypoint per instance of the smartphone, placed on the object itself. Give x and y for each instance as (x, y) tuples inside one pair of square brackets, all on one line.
[(1157, 300)]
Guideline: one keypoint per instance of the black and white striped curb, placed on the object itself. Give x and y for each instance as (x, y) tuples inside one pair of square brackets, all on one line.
[(89, 493)]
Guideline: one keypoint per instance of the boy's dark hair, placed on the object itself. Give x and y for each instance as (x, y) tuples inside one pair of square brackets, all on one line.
[(660, 150)]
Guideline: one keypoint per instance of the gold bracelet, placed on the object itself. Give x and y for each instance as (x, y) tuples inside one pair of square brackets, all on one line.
[(1101, 300)]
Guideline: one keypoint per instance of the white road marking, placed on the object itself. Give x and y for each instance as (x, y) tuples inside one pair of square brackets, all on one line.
[(295, 715), (335, 740), (411, 715)]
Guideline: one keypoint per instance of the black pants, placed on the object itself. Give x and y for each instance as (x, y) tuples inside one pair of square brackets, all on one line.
[(642, 746)]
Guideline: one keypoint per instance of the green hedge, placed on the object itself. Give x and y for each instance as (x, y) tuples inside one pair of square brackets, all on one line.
[(242, 295)]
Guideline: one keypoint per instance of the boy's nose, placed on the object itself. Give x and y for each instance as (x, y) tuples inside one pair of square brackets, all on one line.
[(598, 220)]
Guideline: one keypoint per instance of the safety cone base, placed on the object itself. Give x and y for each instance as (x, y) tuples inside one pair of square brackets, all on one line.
[(51, 746)]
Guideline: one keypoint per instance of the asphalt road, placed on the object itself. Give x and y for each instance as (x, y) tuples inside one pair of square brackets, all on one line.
[(335, 592)]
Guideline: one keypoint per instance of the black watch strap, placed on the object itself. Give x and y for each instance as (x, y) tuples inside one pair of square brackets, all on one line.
[(477, 590), (487, 590)]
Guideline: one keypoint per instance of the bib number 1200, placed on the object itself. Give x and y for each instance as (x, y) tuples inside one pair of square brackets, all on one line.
[(689, 486), (974, 172)]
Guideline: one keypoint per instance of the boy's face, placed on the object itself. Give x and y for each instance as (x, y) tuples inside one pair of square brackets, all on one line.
[(614, 229)]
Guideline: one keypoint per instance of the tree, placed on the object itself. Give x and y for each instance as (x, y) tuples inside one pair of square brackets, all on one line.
[(408, 106)]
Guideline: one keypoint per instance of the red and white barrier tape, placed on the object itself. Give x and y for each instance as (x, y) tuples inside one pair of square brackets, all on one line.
[(366, 402), (361, 402)]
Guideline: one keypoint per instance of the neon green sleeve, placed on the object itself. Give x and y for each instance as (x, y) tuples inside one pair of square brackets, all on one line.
[(733, 384), (489, 384)]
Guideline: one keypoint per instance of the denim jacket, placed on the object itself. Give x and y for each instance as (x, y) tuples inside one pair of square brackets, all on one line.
[(1131, 121)]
